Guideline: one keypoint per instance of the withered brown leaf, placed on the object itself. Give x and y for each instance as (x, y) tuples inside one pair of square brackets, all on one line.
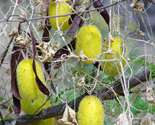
[(39, 83), (16, 57), (62, 51), (104, 13), (17, 106), (75, 24)]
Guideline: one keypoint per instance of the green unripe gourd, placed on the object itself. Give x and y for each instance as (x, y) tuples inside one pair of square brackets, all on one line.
[(89, 40), (26, 82), (110, 68), (90, 111), (63, 8)]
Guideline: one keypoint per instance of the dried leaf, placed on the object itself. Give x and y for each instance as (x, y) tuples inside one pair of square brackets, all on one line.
[(141, 33), (22, 40), (56, 46), (17, 106), (46, 50), (40, 24), (16, 57), (148, 120), (69, 117), (108, 38), (149, 95), (104, 13), (62, 51), (137, 5), (75, 24), (81, 81), (122, 119), (14, 32), (39, 83), (82, 57)]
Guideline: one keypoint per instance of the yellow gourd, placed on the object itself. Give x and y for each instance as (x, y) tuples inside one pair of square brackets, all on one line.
[(63, 8), (90, 111), (41, 101), (89, 40), (117, 47), (31, 107), (26, 80)]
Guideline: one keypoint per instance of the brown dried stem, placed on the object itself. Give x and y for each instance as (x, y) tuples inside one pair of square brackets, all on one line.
[(106, 94)]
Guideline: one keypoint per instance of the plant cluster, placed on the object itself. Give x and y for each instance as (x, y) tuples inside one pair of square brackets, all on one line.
[(68, 56)]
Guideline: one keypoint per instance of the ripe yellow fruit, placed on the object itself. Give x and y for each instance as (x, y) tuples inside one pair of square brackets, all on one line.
[(63, 8), (90, 111), (26, 80), (117, 47), (89, 40), (49, 121), (31, 107)]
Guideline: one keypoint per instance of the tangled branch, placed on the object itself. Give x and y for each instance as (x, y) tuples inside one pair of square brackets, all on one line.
[(58, 110), (46, 17)]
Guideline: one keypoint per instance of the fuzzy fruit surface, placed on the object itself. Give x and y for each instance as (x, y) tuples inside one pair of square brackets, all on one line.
[(63, 8), (26, 80), (110, 68), (30, 107), (90, 111), (89, 40)]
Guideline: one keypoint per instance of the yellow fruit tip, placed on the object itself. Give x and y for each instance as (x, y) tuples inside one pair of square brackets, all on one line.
[(90, 111)]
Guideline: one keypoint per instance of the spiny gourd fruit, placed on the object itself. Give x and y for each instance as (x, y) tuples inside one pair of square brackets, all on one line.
[(90, 111), (31, 107), (26, 80), (63, 8), (49, 121), (89, 40), (117, 47)]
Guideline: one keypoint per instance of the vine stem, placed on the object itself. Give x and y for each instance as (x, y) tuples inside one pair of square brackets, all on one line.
[(45, 17)]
